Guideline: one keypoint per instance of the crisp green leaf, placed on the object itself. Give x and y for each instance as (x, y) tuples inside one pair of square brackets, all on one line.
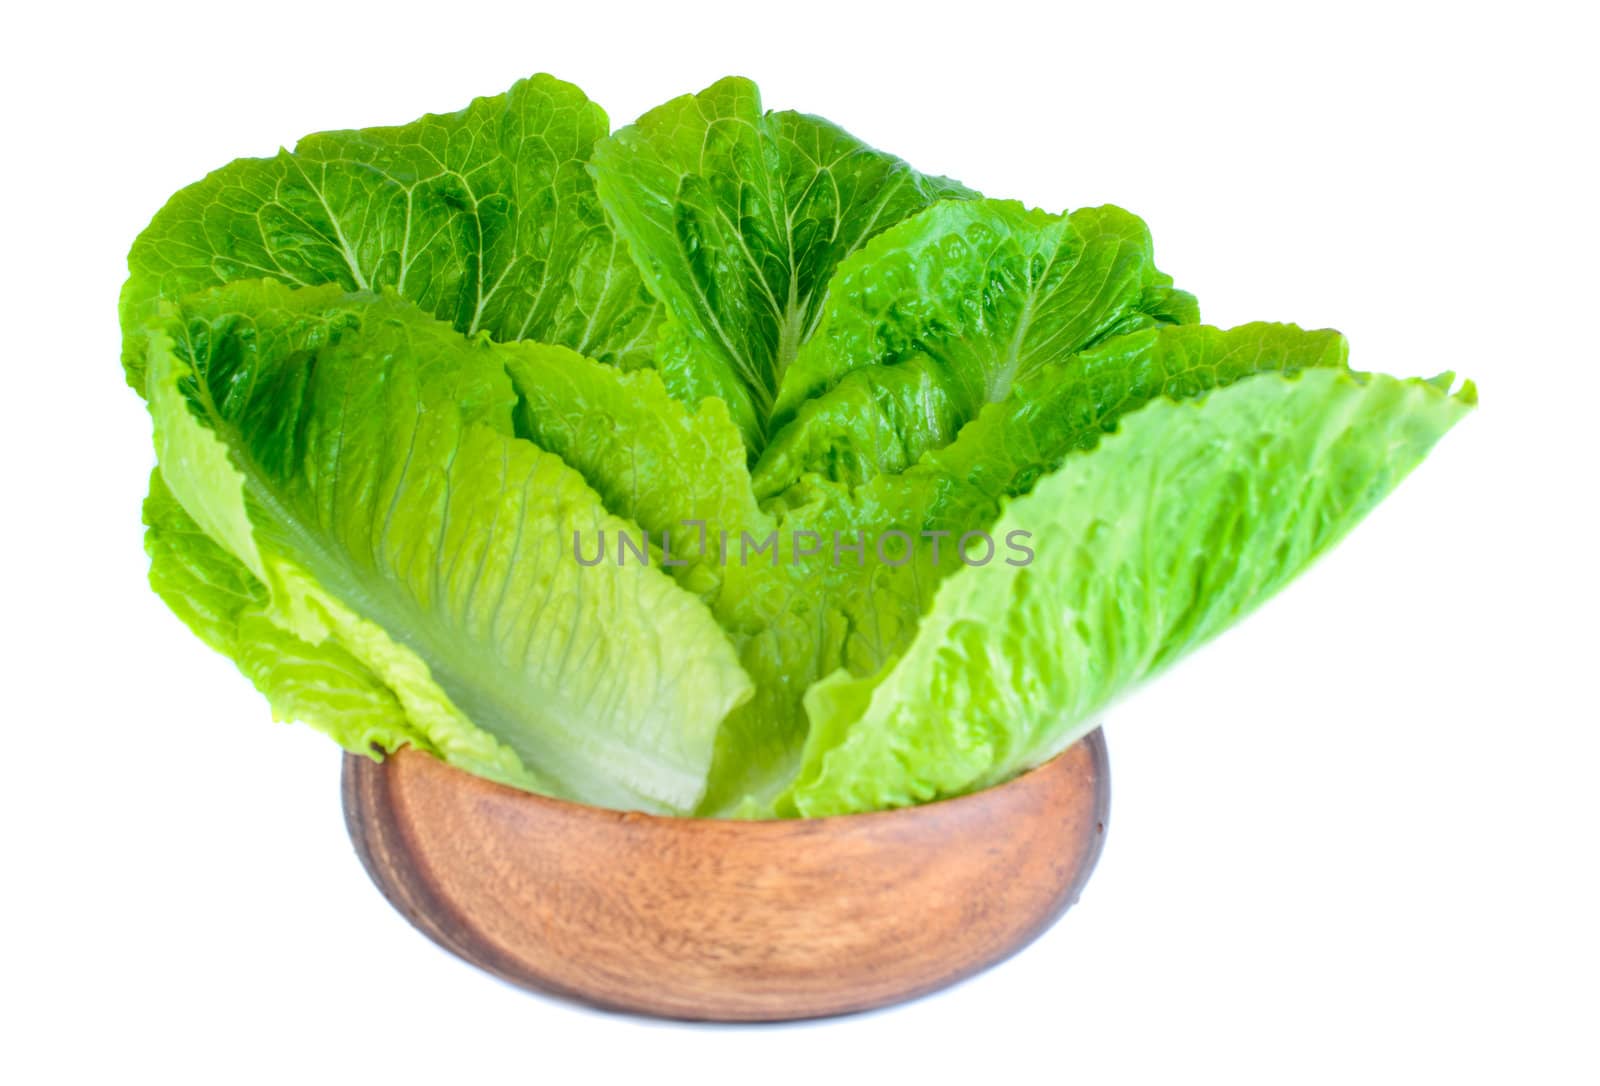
[(862, 611), (321, 685), (1164, 534), (357, 457), (1016, 293), (945, 313), (1065, 406), (206, 587), (678, 472), (1068, 404), (485, 218), (737, 219)]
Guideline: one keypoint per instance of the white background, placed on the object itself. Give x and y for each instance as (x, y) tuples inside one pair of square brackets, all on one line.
[(1354, 840)]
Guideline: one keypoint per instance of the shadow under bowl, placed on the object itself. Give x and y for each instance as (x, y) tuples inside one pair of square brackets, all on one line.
[(720, 920)]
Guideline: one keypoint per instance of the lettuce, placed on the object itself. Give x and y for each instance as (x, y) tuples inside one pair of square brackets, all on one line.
[(718, 465), (1163, 535), (358, 459), (738, 220)]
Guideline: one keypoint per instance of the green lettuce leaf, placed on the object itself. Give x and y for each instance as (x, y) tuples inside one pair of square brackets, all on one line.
[(321, 685), (737, 219), (991, 295), (1158, 538), (861, 612), (945, 313), (676, 471), (357, 458), (679, 473), (1068, 404), (1064, 407), (485, 218)]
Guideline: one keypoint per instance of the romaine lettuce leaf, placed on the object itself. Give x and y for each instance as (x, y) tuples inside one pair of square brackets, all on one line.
[(678, 472), (322, 684), (737, 219), (1066, 406), (860, 614), (1069, 403), (357, 457), (485, 218), (945, 313), (1155, 540)]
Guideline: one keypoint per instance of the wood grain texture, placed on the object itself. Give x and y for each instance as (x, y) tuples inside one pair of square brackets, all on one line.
[(721, 920)]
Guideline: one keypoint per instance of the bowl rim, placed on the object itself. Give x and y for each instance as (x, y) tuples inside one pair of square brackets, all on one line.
[(1093, 740)]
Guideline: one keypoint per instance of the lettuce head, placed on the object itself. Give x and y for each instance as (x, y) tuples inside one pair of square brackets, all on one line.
[(720, 464)]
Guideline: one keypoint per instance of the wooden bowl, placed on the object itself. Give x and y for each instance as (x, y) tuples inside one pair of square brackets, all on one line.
[(721, 920)]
